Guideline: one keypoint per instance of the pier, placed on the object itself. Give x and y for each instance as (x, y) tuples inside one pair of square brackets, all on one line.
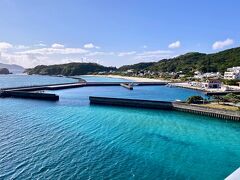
[(178, 106), (221, 93), (127, 86), (30, 95), (131, 103), (80, 84), (32, 92)]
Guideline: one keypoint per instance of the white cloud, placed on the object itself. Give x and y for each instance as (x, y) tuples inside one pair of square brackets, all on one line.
[(157, 52), (21, 47), (126, 53), (100, 53), (21, 59), (174, 45), (56, 45), (154, 55), (145, 46), (90, 46), (5, 45), (222, 44), (49, 51), (40, 45), (30, 56)]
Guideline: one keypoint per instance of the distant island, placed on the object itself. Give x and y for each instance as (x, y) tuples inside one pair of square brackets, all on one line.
[(4, 71), (187, 64), (13, 68)]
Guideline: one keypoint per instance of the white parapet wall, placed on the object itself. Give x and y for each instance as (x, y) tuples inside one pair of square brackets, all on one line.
[(234, 176)]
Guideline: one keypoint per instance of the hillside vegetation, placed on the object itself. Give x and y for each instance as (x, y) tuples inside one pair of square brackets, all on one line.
[(190, 62), (138, 66), (70, 69), (193, 61)]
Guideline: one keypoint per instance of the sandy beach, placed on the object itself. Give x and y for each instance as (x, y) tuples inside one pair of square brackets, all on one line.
[(137, 79)]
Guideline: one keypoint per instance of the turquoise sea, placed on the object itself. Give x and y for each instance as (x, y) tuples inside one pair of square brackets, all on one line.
[(71, 139), (13, 80)]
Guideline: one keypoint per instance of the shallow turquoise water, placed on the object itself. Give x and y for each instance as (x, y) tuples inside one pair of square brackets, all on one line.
[(14, 80), (102, 79), (70, 139)]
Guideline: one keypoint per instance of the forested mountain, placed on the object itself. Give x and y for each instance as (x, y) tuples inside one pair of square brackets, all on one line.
[(189, 62), (70, 69), (193, 61), (138, 66)]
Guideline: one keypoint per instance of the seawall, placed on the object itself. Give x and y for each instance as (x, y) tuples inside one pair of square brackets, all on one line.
[(218, 113), (131, 102), (30, 95)]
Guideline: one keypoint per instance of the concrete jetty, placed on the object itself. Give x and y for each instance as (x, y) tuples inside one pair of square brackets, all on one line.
[(127, 86), (30, 91), (80, 84), (221, 93), (131, 102), (45, 87), (30, 95), (178, 106), (119, 83)]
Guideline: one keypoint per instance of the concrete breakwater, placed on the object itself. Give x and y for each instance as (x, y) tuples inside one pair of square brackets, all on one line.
[(80, 84), (131, 102), (30, 95), (34, 92), (127, 86), (221, 93), (45, 87), (218, 113), (29, 91)]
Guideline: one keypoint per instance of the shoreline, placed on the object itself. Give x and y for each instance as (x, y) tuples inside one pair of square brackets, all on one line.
[(184, 85), (135, 79)]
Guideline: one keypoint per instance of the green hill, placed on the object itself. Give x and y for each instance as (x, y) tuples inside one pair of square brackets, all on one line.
[(189, 62), (194, 61), (70, 69), (138, 66)]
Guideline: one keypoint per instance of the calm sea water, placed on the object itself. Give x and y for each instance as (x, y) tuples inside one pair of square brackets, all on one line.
[(14, 80), (102, 79), (71, 139)]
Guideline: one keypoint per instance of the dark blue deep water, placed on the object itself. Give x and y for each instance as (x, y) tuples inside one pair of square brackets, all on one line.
[(71, 139)]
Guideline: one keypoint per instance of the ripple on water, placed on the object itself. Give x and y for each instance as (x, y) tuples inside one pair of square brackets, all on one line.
[(64, 140)]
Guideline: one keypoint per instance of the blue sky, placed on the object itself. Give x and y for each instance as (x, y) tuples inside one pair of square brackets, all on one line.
[(114, 32)]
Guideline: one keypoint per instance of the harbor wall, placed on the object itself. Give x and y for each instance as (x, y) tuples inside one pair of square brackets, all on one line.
[(131, 103), (79, 84), (127, 86), (30, 95), (218, 113)]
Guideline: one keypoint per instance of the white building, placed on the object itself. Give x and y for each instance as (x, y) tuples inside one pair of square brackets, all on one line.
[(130, 70), (198, 75), (232, 73), (212, 84)]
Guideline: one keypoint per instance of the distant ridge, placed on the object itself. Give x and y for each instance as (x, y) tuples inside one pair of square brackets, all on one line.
[(189, 62), (193, 61), (70, 69), (13, 68)]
